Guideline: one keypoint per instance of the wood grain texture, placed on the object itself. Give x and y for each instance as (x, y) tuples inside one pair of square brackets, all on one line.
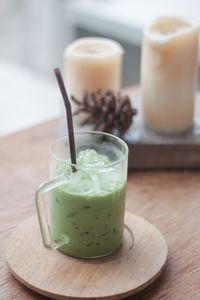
[(168, 199), (136, 264), (24, 163)]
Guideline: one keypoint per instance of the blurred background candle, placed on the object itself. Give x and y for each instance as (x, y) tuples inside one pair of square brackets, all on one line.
[(169, 74), (92, 63)]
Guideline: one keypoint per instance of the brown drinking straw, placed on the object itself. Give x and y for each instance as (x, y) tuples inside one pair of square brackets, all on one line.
[(69, 116)]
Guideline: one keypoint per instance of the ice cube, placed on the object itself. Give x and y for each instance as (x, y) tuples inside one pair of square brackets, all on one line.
[(80, 182), (91, 157), (109, 179)]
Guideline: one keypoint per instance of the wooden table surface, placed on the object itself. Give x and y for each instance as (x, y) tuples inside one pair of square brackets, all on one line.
[(168, 199)]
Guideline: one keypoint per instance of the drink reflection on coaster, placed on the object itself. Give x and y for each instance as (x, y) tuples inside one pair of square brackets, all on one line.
[(85, 213)]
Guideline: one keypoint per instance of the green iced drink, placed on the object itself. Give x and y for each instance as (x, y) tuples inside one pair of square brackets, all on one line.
[(87, 212)]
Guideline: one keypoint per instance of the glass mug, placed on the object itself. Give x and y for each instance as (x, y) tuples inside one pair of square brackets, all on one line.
[(81, 213)]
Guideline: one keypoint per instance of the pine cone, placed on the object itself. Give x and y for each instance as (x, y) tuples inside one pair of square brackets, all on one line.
[(106, 111)]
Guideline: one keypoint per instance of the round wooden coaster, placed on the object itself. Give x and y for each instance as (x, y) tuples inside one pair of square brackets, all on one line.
[(137, 263)]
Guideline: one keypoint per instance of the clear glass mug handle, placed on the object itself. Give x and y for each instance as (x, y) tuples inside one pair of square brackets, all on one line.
[(40, 197)]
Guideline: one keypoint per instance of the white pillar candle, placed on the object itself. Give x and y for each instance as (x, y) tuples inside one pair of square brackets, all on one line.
[(169, 73), (92, 63)]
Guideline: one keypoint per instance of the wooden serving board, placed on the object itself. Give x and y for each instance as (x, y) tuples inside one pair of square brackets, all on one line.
[(138, 262)]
